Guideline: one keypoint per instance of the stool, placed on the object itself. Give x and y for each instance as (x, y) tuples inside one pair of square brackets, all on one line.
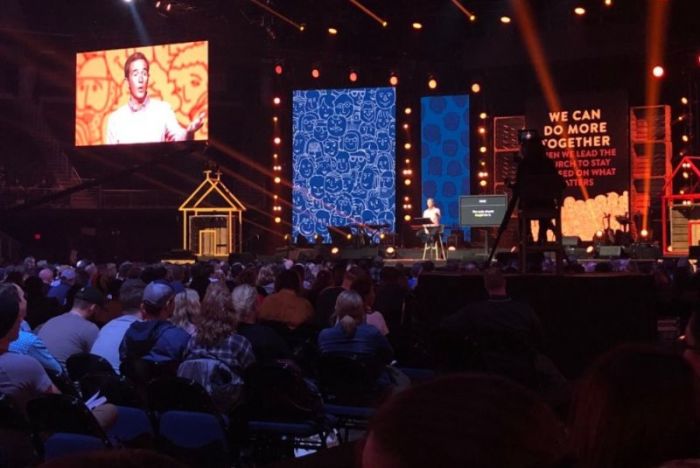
[(434, 246)]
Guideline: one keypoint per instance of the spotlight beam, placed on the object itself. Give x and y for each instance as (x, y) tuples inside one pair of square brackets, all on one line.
[(277, 14), (657, 20), (471, 16), (369, 13)]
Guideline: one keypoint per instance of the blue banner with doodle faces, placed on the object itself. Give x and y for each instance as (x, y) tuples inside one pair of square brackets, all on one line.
[(344, 149), (445, 171)]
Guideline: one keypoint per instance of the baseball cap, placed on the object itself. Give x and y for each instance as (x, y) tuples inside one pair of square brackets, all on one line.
[(157, 294), (91, 295)]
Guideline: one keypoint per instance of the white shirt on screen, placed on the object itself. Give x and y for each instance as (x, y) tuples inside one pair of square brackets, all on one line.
[(433, 213), (152, 122)]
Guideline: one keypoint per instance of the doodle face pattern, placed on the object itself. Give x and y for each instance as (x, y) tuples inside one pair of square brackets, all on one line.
[(344, 159)]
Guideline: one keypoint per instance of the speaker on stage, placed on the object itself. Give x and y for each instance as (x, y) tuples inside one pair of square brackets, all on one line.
[(610, 251), (570, 241)]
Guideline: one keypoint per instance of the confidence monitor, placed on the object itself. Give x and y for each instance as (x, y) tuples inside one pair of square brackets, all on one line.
[(482, 210)]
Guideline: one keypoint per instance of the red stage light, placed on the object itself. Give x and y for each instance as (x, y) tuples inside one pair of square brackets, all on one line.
[(432, 83), (658, 71), (353, 76), (276, 101), (278, 69), (37, 236), (315, 72), (393, 80)]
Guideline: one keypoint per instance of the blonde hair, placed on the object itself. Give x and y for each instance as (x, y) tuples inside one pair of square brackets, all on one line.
[(187, 308), (217, 320), (244, 297), (349, 311)]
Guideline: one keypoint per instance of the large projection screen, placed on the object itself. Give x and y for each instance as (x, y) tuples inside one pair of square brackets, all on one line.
[(164, 96), (445, 166), (344, 146)]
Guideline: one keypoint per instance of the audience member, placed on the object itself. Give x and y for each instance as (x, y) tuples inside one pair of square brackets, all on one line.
[(325, 303), (391, 296), (66, 278), (28, 343), (467, 421), (39, 307), (155, 338), (364, 287), (73, 332), (636, 406), (186, 310), (267, 344), (112, 334), (286, 305), (266, 280), (216, 339)]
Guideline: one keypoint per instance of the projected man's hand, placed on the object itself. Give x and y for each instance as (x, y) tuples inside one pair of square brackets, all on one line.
[(196, 123)]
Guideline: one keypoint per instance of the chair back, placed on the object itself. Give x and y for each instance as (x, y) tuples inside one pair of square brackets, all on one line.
[(142, 371), (277, 391), (198, 439), (55, 413), (83, 363), (349, 379), (118, 389), (216, 377), (176, 393), (62, 444)]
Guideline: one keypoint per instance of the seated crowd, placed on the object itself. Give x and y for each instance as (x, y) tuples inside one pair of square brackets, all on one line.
[(491, 396)]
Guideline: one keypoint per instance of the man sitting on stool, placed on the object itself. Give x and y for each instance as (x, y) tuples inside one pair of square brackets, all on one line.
[(427, 234)]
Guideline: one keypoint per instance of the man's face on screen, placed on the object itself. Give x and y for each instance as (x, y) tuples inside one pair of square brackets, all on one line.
[(138, 80)]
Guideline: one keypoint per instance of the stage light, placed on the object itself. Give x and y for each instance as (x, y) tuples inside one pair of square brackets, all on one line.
[(599, 234), (335, 250), (407, 217), (405, 126), (168, 7), (385, 24), (472, 18), (483, 183), (644, 233), (608, 3), (406, 198), (275, 155), (393, 80), (417, 26), (483, 116), (276, 101), (127, 1), (407, 111), (158, 4), (685, 138), (278, 69), (432, 83), (332, 31), (348, 236), (483, 163), (275, 119), (505, 19), (481, 130), (684, 100), (353, 76), (302, 27), (408, 161), (685, 175), (451, 248), (669, 248), (407, 146), (315, 72), (277, 140), (482, 149), (580, 11), (278, 219), (658, 71), (407, 182), (390, 252), (476, 87), (590, 249), (278, 180)]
